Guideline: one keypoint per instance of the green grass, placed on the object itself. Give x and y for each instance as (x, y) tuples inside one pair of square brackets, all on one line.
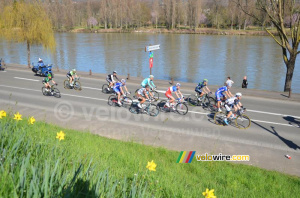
[(33, 163)]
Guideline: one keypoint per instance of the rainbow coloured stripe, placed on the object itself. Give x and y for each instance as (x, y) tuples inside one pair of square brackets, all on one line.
[(186, 156)]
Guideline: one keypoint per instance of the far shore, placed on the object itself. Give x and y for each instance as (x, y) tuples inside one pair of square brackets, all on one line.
[(205, 31)]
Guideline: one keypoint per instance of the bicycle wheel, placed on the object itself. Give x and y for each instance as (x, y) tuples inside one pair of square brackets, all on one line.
[(66, 84), (77, 86), (112, 100), (135, 94), (45, 93), (105, 88), (219, 118), (134, 108), (155, 95), (56, 93), (153, 110), (242, 122), (193, 100), (182, 108), (162, 106), (126, 102)]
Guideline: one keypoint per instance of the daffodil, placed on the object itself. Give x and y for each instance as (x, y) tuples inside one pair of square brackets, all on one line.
[(209, 193), (60, 135), (151, 166), (2, 114), (31, 120), (18, 116)]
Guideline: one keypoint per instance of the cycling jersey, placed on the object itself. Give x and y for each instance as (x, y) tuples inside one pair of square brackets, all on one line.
[(170, 90), (219, 93), (117, 87), (111, 78), (71, 73), (148, 81), (142, 92), (199, 87), (46, 80), (229, 103)]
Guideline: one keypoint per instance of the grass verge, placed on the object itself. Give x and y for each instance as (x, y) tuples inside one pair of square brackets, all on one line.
[(33, 163)]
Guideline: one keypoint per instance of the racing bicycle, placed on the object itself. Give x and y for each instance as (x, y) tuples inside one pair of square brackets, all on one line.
[(148, 107), (180, 107), (125, 101), (51, 92), (76, 84), (239, 118)]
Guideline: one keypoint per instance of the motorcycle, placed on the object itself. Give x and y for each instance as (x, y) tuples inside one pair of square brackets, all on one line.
[(41, 69)]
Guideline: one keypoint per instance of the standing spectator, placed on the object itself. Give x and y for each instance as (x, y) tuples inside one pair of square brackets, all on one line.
[(229, 81), (245, 82)]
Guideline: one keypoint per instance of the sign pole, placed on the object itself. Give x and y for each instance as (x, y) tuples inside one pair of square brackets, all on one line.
[(150, 49)]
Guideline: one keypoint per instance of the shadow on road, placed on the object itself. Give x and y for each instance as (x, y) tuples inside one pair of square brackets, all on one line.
[(292, 121), (289, 143)]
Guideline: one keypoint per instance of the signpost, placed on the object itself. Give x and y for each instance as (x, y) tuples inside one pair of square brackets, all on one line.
[(149, 49)]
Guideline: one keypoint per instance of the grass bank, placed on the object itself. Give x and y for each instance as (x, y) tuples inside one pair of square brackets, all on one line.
[(34, 163)]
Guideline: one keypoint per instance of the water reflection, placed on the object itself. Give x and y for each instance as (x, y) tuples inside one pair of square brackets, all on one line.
[(184, 57)]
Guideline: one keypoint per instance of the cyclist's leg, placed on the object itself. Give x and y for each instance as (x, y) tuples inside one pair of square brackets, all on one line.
[(218, 98)]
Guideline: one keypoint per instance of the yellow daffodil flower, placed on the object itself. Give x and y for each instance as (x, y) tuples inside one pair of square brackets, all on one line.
[(31, 120), (209, 193), (151, 166), (60, 135), (18, 116), (2, 114)]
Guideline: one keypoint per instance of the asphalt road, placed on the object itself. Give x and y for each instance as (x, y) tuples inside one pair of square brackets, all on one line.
[(274, 131)]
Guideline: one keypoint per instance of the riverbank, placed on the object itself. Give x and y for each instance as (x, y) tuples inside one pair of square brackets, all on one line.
[(164, 84), (205, 31), (76, 163)]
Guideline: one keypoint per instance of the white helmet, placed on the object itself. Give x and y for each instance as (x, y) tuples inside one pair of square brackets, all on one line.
[(178, 84), (238, 94), (40, 59)]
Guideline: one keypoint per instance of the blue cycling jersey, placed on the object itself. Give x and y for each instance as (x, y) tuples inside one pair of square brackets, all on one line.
[(118, 85), (200, 86), (222, 89)]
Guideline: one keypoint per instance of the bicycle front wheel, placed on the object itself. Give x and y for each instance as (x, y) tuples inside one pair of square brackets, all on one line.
[(182, 108), (45, 93), (77, 86), (112, 100), (153, 110), (162, 106), (56, 93), (134, 108), (242, 122), (126, 102), (219, 118)]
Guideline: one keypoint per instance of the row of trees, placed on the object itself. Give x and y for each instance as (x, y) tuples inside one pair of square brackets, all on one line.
[(68, 14)]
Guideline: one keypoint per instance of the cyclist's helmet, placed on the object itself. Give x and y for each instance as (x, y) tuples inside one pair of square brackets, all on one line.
[(49, 75), (151, 76), (238, 94), (114, 72), (178, 84), (74, 70), (205, 80), (123, 81)]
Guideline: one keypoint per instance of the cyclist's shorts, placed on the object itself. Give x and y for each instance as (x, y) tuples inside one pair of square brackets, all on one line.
[(69, 76), (117, 90), (168, 94), (199, 91), (219, 95), (108, 80)]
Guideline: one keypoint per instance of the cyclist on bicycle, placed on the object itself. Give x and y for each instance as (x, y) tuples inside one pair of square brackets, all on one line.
[(220, 94), (143, 94), (168, 93), (233, 102), (148, 81), (47, 80), (71, 75), (119, 90), (202, 89), (112, 79)]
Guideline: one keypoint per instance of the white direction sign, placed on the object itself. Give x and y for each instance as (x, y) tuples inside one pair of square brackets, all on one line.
[(152, 48)]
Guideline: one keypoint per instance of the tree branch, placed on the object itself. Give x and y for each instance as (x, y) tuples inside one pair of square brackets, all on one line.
[(298, 52), (273, 36)]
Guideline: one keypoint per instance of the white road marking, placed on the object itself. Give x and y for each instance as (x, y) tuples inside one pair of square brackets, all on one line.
[(99, 99), (278, 114), (3, 71), (92, 88), (26, 79)]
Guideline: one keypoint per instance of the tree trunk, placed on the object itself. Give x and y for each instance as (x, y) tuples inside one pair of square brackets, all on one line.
[(289, 73), (28, 54)]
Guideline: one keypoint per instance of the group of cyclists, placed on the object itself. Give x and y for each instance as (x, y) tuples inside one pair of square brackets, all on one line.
[(231, 102), (223, 94)]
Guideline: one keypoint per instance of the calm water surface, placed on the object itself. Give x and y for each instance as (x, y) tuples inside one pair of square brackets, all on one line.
[(184, 57)]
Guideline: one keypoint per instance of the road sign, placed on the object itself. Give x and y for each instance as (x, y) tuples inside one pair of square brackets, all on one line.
[(152, 48)]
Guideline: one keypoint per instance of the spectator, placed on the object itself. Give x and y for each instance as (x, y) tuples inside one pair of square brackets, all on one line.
[(229, 81), (1, 69), (245, 82)]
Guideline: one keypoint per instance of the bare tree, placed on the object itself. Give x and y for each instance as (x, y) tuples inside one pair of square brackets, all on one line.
[(277, 11)]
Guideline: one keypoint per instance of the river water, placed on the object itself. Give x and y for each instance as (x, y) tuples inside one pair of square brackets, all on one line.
[(185, 57)]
